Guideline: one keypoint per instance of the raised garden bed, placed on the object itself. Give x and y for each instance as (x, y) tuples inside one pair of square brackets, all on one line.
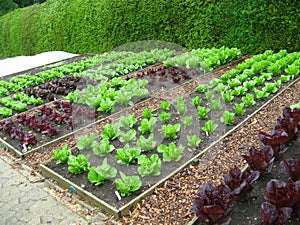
[(142, 211)]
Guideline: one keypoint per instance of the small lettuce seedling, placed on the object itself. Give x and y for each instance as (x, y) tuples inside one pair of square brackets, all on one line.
[(62, 155), (202, 88), (128, 184), (170, 131), (127, 122), (86, 142), (187, 121), (147, 125), (228, 96), (165, 106), (220, 88), (203, 112), (216, 104), (171, 152), (98, 175), (127, 136), (239, 109), (146, 144), (110, 131), (147, 113), (209, 95), (102, 148), (248, 100), (193, 141), (164, 116), (261, 94), (209, 127), (181, 106), (127, 155), (149, 166), (196, 101), (227, 117), (78, 164)]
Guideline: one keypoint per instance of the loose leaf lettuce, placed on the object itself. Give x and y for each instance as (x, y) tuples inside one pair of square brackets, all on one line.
[(98, 175), (149, 166), (128, 184)]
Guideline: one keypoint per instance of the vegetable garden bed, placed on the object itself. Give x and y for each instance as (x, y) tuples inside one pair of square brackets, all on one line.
[(213, 109)]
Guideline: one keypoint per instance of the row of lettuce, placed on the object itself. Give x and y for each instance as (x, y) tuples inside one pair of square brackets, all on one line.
[(100, 68)]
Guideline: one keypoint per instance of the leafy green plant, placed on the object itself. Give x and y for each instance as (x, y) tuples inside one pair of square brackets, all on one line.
[(147, 113), (292, 70), (146, 144), (165, 106), (242, 78), (181, 106), (127, 136), (187, 121), (164, 116), (196, 101), (128, 184), (86, 142), (127, 122), (193, 141), (267, 76), (171, 152), (209, 95), (259, 80), (234, 83), (213, 83), (261, 94), (228, 96), (285, 78), (149, 166), (274, 68), (5, 112), (127, 155), (202, 88), (98, 175), (209, 127), (248, 100), (227, 117), (203, 112), (102, 148), (110, 131), (239, 109), (78, 164), (216, 104), (270, 88), (170, 131), (62, 155), (239, 91), (147, 125), (250, 85), (220, 88)]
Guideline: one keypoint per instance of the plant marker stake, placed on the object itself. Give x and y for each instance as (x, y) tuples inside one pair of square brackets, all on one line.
[(118, 195), (24, 148), (3, 145), (72, 189)]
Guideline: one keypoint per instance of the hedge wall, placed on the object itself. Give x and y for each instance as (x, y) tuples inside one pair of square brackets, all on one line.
[(92, 26)]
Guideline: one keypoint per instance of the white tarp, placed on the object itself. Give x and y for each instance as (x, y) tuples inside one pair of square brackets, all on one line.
[(21, 63)]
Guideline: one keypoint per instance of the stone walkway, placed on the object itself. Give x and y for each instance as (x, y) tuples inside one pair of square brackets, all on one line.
[(22, 202)]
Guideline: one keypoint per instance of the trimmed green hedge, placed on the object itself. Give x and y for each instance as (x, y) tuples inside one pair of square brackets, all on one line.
[(93, 26)]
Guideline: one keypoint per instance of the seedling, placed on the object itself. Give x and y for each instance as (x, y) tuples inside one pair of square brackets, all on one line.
[(209, 127), (98, 175), (128, 184), (193, 141), (171, 152), (227, 117), (149, 166)]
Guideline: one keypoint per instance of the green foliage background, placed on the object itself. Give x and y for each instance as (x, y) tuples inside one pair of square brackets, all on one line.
[(93, 26)]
